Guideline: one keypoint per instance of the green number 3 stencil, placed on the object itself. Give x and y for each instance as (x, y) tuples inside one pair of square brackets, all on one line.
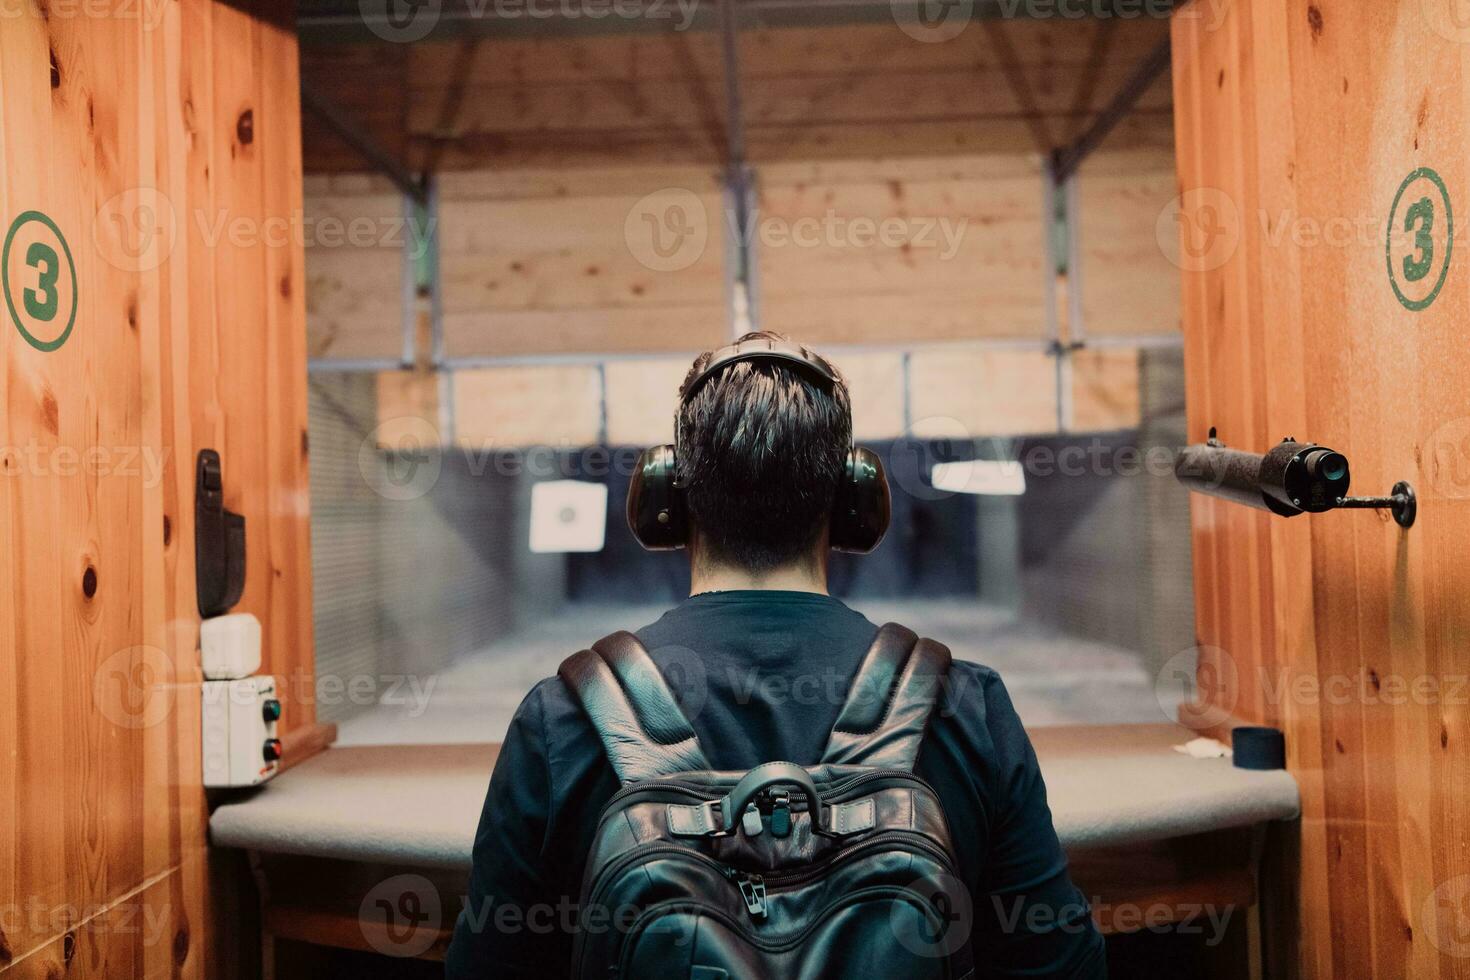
[(31, 265)]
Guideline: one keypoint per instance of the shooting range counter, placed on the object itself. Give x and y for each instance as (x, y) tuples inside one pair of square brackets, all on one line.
[(1153, 835)]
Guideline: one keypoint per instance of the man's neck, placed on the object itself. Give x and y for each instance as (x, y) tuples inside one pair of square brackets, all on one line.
[(804, 576)]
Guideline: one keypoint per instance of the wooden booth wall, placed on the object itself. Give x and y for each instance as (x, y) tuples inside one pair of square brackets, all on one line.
[(1297, 124), (162, 140)]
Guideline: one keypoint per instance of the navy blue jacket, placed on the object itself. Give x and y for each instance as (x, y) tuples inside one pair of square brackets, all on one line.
[(762, 675)]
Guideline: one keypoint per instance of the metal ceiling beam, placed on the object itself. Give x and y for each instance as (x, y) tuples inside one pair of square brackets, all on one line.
[(1067, 159), (363, 143)]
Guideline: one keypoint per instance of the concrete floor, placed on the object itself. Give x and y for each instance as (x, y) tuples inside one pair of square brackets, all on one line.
[(1053, 679)]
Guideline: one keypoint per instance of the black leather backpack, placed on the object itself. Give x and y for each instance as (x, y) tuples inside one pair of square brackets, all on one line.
[(842, 869)]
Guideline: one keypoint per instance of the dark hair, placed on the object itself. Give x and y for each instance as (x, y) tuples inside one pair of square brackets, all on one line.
[(762, 446)]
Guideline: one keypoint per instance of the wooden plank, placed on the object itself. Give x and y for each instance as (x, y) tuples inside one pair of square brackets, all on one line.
[(961, 393), (1129, 285), (1105, 393), (589, 273), (642, 397), (544, 408), (918, 259), (875, 383), (354, 284), (408, 407)]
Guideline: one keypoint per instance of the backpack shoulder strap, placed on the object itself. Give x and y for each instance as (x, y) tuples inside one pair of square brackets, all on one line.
[(887, 710), (630, 704)]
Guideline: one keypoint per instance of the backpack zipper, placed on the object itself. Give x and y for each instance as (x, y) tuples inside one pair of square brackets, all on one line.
[(640, 924), (752, 889), (755, 887)]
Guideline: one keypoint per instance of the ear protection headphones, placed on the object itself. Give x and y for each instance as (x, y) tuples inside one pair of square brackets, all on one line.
[(657, 512)]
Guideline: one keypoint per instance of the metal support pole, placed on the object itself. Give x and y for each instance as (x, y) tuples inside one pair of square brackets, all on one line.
[(602, 403), (432, 276), (908, 392), (447, 416), (740, 275), (409, 293), (1071, 213)]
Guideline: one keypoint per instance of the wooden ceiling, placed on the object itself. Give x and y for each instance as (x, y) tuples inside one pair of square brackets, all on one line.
[(853, 90)]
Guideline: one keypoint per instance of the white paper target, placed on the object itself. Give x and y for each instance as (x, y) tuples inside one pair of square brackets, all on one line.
[(568, 515)]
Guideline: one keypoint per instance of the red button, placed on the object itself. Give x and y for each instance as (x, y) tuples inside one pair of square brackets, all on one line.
[(272, 749)]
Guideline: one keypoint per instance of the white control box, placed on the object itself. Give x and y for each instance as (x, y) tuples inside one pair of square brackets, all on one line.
[(240, 720), (230, 646)]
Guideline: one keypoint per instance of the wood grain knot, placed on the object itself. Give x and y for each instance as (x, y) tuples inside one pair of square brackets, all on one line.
[(1314, 21), (51, 411), (245, 127), (5, 952), (55, 70), (181, 945), (68, 946), (168, 531), (89, 582)]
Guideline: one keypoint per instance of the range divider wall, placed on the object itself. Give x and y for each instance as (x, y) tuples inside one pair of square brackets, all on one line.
[(161, 141), (1297, 125)]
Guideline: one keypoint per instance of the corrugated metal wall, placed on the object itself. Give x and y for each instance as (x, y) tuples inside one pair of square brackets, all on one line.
[(1105, 551), (407, 575)]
